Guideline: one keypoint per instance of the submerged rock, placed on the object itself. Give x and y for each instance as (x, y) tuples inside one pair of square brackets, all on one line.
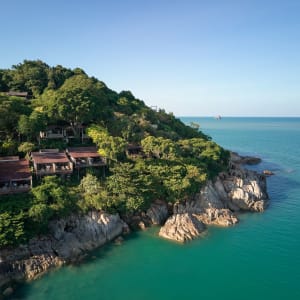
[(8, 291), (119, 240), (268, 172)]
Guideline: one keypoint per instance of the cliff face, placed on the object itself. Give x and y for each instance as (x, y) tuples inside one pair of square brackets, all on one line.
[(238, 189), (68, 239)]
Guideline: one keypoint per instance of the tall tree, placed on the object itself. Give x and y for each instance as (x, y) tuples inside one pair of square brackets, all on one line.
[(30, 76), (109, 146), (57, 76), (79, 100), (5, 78), (30, 126), (160, 147), (11, 108)]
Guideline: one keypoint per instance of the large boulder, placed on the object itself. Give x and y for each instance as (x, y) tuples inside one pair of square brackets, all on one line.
[(182, 228)]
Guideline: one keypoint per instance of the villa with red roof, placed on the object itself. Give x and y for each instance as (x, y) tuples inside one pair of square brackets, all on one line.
[(51, 162), (15, 175), (84, 157)]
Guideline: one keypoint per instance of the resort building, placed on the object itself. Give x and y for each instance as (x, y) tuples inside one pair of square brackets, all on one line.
[(83, 133), (83, 157), (15, 175), (51, 162), (86, 157), (64, 132), (53, 132)]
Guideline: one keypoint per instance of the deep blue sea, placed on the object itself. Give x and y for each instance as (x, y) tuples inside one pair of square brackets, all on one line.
[(257, 259)]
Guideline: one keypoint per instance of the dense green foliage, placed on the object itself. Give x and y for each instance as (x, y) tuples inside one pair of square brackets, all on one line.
[(24, 215), (174, 162), (70, 97)]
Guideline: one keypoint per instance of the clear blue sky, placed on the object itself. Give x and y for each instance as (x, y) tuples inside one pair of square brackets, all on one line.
[(191, 57)]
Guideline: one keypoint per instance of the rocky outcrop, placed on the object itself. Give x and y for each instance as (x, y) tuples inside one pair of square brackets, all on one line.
[(246, 189), (238, 189), (158, 212), (221, 217), (182, 228), (67, 240), (244, 160), (75, 235)]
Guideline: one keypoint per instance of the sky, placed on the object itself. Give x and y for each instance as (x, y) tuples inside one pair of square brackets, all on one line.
[(190, 57)]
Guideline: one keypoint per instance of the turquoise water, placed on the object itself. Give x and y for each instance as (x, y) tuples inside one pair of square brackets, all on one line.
[(257, 259)]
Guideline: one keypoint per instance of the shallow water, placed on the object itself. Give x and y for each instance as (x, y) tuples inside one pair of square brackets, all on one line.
[(257, 259)]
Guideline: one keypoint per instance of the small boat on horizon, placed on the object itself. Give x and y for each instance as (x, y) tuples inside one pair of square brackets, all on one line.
[(218, 117)]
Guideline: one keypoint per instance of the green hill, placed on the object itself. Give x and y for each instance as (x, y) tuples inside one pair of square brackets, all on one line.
[(172, 162)]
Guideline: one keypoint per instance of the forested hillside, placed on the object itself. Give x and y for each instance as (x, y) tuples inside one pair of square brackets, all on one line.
[(174, 160)]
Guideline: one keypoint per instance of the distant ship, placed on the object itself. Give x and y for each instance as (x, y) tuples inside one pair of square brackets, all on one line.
[(218, 117)]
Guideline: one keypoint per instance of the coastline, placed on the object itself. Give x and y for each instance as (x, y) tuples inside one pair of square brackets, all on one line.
[(219, 201), (73, 236)]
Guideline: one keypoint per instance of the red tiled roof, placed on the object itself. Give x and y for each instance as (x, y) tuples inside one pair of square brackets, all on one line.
[(14, 170), (81, 152), (49, 157)]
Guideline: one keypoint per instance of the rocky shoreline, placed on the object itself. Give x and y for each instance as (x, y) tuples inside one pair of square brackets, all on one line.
[(69, 239), (218, 202)]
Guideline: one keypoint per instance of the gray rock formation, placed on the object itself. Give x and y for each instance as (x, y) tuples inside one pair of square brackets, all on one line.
[(221, 217), (68, 239), (238, 189), (158, 212), (182, 228), (75, 235), (245, 160), (246, 189)]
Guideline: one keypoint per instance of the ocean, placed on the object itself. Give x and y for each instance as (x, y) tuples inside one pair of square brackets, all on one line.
[(259, 258)]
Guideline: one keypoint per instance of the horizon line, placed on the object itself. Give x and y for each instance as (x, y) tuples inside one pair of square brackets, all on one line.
[(234, 116)]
